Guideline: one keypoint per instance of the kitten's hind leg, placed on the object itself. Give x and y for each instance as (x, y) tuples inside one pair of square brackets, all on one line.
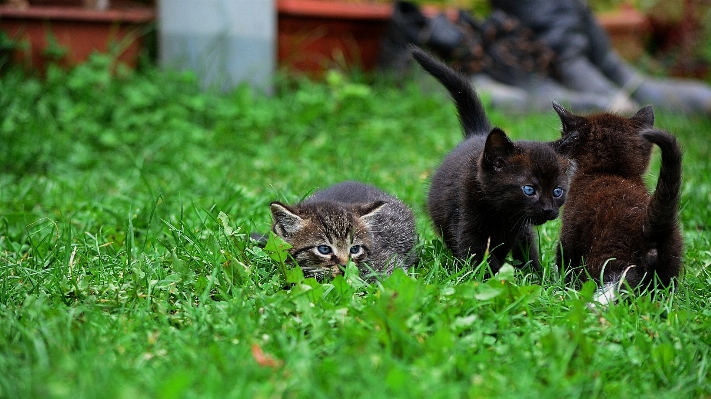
[(606, 294), (525, 249), (616, 284)]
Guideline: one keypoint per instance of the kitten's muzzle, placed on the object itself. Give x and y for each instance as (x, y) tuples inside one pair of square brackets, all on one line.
[(544, 216)]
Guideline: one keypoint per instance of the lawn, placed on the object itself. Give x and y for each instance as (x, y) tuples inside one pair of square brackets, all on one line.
[(125, 206)]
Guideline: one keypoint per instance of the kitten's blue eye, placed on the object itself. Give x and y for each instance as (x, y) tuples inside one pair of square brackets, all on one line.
[(557, 192), (324, 249), (529, 190), (355, 249)]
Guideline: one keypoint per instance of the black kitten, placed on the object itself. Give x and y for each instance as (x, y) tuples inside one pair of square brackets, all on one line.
[(489, 190)]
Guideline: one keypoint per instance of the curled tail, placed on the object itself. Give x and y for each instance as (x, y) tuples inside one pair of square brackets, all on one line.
[(664, 205), (663, 235), (471, 111)]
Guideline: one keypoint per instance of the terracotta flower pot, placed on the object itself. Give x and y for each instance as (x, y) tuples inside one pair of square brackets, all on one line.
[(68, 35), (315, 35)]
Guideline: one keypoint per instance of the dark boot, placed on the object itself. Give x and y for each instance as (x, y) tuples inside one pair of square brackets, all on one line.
[(500, 47), (587, 61), (678, 95), (562, 26), (517, 57)]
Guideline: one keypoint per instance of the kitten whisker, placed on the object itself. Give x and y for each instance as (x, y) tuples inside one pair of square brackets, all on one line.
[(522, 222)]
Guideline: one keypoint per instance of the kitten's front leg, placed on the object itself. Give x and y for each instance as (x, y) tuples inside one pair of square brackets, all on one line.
[(474, 247), (525, 249)]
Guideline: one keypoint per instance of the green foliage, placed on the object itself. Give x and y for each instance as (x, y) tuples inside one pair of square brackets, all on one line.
[(127, 269), (7, 47)]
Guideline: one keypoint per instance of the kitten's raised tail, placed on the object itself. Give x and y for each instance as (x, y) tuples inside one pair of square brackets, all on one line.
[(663, 256), (469, 106), (664, 204)]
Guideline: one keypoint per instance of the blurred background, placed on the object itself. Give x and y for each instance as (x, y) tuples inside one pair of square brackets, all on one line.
[(227, 42)]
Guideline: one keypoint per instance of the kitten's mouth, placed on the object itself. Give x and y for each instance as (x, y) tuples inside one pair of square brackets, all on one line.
[(321, 272), (537, 221), (543, 217)]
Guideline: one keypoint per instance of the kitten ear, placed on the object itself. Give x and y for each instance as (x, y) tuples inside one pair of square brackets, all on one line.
[(368, 212), (497, 148), (286, 222), (570, 131), (569, 120), (645, 116)]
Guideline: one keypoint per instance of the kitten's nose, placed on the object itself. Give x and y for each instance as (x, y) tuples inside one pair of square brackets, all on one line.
[(549, 213)]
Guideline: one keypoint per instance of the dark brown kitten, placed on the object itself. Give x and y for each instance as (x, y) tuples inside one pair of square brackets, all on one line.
[(613, 230), (347, 221), (489, 190)]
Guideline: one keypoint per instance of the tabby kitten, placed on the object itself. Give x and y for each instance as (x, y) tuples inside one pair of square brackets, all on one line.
[(613, 230), (490, 190), (347, 221)]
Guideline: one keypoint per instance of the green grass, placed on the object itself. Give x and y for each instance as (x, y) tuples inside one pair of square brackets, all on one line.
[(126, 272)]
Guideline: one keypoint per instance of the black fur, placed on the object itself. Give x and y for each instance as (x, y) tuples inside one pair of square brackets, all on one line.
[(477, 200)]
